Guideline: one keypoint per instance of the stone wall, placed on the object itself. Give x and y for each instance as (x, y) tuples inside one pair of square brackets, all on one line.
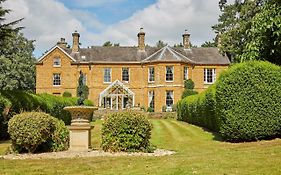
[(138, 78)]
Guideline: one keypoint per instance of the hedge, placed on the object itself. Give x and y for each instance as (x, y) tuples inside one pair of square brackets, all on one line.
[(199, 110), (248, 98), (15, 102), (243, 105)]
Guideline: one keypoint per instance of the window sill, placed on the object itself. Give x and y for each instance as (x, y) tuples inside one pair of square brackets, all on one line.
[(56, 66), (106, 82), (208, 83), (169, 81), (151, 82), (56, 85)]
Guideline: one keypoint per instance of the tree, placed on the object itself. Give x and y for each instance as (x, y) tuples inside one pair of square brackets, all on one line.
[(209, 44), (107, 44), (6, 29), (82, 90), (161, 44), (17, 64), (265, 34), (17, 69), (234, 22)]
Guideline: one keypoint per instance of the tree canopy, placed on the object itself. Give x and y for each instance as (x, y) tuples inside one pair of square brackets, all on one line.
[(17, 69), (265, 34), (234, 24)]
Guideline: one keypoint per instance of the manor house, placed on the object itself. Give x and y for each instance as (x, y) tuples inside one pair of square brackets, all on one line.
[(126, 77)]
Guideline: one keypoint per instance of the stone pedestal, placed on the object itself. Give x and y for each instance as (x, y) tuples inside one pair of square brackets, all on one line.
[(80, 137), (80, 128)]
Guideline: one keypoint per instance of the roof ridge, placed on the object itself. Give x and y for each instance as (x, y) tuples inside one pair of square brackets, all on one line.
[(152, 55), (184, 56)]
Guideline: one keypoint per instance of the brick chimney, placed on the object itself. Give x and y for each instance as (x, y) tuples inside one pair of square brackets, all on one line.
[(62, 44), (186, 40), (75, 44), (141, 40)]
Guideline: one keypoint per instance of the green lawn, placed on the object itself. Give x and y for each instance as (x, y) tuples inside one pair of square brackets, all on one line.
[(198, 152)]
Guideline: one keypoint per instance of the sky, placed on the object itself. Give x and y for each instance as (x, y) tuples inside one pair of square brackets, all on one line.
[(118, 21)]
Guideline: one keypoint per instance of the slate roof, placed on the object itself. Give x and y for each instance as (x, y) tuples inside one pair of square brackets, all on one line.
[(99, 54)]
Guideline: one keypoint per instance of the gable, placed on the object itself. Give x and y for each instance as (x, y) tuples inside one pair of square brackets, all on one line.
[(60, 52)]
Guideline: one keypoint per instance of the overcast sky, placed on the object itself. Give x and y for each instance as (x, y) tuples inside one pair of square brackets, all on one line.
[(118, 21)]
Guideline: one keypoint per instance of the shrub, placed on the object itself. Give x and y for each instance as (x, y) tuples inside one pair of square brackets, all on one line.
[(14, 102), (189, 84), (126, 131), (67, 94), (188, 92), (248, 98), (32, 130), (188, 89), (150, 109)]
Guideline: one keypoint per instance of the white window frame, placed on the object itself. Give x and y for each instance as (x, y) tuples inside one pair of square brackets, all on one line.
[(149, 73), (185, 73), (169, 107), (54, 79), (57, 60), (126, 81), (213, 74), (167, 72), (110, 75)]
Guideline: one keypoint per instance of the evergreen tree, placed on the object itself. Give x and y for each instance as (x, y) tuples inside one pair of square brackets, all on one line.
[(6, 29), (17, 69)]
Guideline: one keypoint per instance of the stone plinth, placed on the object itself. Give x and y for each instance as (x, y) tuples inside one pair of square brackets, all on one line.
[(80, 128), (80, 137)]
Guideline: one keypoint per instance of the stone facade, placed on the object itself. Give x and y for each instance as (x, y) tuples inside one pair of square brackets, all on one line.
[(138, 83)]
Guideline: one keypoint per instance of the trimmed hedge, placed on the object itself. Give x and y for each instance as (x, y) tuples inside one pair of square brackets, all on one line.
[(15, 102), (30, 131), (199, 110), (243, 105), (126, 131), (248, 98)]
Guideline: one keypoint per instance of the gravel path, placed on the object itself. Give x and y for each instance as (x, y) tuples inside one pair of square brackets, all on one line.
[(74, 154)]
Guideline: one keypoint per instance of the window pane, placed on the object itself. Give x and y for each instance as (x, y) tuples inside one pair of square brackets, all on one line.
[(57, 62), (107, 75), (56, 80), (169, 73), (125, 74), (185, 73), (151, 102), (151, 74), (209, 75), (169, 98)]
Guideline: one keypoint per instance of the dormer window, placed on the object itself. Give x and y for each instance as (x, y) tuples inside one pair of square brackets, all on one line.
[(57, 62), (83, 57)]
